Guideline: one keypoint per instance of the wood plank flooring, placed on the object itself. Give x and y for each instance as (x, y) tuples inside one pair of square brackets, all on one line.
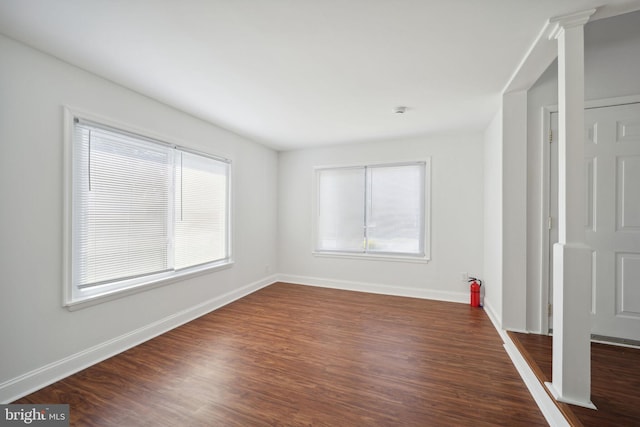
[(291, 355), (615, 380)]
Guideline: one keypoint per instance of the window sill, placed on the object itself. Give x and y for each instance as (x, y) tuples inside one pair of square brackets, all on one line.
[(79, 302), (373, 257)]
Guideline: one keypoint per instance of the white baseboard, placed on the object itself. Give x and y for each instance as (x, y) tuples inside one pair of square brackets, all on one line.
[(491, 312), (29, 382), (547, 406), (556, 395), (375, 288)]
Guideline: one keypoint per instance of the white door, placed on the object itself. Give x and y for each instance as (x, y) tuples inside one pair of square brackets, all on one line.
[(612, 217)]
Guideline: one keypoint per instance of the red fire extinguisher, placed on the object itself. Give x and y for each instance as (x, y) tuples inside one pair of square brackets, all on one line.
[(475, 291)]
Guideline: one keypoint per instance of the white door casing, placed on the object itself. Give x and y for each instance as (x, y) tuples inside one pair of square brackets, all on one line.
[(612, 216)]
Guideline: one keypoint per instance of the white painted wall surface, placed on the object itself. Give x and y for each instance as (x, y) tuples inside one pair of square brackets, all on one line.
[(612, 67), (514, 210), (545, 89), (36, 331), (492, 225), (612, 57), (456, 218)]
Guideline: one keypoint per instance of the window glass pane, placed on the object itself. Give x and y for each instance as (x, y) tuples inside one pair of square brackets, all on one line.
[(200, 210), (341, 209), (395, 201), (121, 194)]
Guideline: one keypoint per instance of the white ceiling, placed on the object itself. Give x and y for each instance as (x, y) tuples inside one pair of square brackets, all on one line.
[(300, 73)]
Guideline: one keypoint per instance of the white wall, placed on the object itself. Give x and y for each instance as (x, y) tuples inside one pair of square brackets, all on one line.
[(612, 57), (612, 67), (456, 218), (492, 225), (544, 92), (514, 210), (40, 339)]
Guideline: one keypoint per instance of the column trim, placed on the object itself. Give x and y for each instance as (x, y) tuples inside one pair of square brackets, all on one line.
[(563, 22), (571, 359)]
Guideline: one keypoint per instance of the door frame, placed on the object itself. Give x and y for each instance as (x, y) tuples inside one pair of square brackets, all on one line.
[(546, 111)]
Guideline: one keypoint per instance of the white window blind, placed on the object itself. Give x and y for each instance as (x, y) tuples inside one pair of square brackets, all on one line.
[(377, 209), (340, 209), (121, 194), (395, 209), (142, 209), (201, 212)]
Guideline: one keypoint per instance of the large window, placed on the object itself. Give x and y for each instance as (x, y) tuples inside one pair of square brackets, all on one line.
[(142, 211), (378, 210)]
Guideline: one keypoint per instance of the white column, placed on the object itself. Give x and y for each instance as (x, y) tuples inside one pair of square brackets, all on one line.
[(572, 259)]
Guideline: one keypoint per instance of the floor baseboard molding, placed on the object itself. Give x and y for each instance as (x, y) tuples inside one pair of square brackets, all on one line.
[(375, 288), (491, 313), (36, 379), (547, 406)]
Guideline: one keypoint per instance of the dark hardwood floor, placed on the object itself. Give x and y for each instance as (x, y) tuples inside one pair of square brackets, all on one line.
[(292, 355), (615, 381)]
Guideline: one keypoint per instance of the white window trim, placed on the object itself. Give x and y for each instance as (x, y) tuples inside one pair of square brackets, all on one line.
[(75, 299), (373, 256)]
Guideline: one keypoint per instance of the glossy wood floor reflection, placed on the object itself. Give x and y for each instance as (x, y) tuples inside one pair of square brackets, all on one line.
[(292, 355), (615, 381)]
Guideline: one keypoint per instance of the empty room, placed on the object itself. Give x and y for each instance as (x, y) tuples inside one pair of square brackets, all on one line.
[(295, 213)]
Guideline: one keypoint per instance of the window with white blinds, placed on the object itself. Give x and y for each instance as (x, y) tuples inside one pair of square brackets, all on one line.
[(372, 209), (142, 210)]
